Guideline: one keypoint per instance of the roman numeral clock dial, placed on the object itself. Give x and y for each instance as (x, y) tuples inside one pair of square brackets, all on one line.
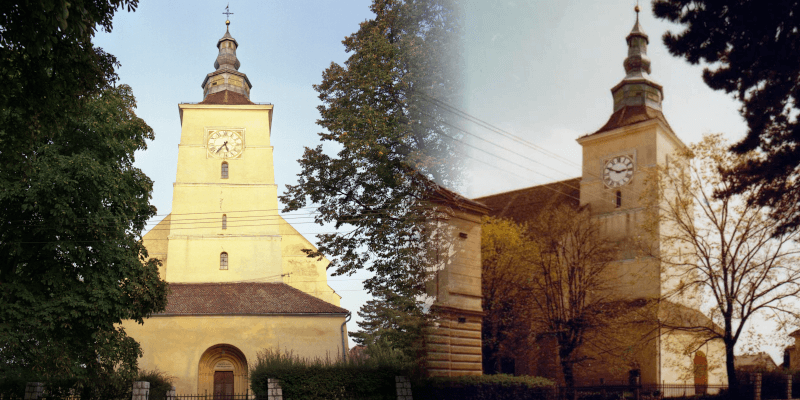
[(225, 144), (618, 171)]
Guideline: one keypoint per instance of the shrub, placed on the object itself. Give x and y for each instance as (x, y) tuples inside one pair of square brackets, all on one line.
[(369, 378), (484, 387), (160, 383)]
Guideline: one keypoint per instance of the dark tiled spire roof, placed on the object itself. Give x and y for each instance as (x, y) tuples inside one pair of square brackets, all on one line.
[(226, 97)]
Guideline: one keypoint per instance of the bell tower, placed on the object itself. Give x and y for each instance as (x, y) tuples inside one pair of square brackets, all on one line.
[(615, 162), (225, 224)]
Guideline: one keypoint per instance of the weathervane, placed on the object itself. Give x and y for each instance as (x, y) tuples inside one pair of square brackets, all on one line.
[(228, 12)]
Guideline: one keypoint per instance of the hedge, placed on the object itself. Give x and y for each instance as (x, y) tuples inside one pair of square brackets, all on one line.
[(484, 387), (312, 379)]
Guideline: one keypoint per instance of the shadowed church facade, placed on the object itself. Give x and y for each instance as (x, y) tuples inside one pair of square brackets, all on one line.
[(239, 280), (615, 158)]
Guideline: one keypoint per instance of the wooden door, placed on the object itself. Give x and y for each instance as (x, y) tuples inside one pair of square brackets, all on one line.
[(223, 385)]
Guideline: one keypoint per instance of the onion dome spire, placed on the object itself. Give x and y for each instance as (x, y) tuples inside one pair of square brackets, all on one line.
[(227, 76), (637, 88)]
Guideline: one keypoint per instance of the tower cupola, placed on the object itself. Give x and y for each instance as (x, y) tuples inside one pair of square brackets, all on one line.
[(227, 76), (637, 88)]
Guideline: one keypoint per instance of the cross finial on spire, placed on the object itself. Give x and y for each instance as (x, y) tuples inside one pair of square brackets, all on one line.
[(228, 14)]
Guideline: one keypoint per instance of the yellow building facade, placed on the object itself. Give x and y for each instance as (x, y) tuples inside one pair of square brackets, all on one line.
[(616, 160), (240, 282)]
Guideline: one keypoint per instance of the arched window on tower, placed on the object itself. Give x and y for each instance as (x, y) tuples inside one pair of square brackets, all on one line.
[(224, 173), (224, 221), (618, 201), (223, 260)]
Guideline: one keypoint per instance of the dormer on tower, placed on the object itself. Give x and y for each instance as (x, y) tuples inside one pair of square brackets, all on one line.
[(227, 79)]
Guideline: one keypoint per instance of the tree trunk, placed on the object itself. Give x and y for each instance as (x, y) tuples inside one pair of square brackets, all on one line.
[(569, 375), (733, 382)]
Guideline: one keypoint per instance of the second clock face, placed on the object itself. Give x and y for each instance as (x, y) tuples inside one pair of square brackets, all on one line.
[(618, 171), (225, 144)]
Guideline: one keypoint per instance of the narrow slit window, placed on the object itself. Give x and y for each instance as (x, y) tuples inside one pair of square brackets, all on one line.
[(223, 260), (619, 199), (224, 170), (224, 221)]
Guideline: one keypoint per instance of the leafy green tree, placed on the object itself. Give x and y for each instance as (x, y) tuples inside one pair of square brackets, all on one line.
[(393, 142), (393, 320), (750, 48), (506, 255), (73, 206)]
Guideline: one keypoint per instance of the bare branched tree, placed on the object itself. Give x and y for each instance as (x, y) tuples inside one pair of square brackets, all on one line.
[(720, 251), (570, 289)]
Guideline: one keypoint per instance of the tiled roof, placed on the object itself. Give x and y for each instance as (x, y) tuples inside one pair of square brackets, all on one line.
[(761, 359), (243, 298), (524, 204), (226, 97), (630, 115)]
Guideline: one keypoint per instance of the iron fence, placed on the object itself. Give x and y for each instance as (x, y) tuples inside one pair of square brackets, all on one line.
[(635, 392), (241, 396)]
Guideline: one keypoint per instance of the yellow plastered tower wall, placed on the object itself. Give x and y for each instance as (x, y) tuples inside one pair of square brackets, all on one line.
[(239, 279), (617, 159)]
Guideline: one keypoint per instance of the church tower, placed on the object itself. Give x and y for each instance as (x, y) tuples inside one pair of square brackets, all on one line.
[(225, 222), (616, 159), (239, 280)]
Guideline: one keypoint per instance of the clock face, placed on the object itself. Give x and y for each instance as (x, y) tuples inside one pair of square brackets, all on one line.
[(225, 144), (618, 171)]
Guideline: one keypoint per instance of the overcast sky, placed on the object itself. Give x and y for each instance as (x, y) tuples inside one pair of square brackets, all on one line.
[(539, 70)]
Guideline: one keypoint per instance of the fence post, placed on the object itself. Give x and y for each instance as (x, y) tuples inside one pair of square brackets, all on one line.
[(637, 391), (403, 386), (788, 386), (34, 390), (170, 393), (757, 387), (141, 390), (274, 391)]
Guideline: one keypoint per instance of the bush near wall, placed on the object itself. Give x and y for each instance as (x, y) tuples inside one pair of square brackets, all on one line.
[(484, 387), (160, 383), (312, 379)]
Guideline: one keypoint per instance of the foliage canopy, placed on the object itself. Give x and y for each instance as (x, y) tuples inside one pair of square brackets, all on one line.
[(73, 204), (393, 142), (750, 48)]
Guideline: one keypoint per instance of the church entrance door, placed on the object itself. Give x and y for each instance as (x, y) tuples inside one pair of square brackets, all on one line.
[(223, 385)]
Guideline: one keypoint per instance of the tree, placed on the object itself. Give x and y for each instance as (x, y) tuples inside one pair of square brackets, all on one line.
[(721, 251), (570, 290), (393, 145), (547, 278), (506, 264), (394, 320), (750, 48), (73, 205)]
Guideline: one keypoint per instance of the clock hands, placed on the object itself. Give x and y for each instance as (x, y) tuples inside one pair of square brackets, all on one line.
[(225, 145)]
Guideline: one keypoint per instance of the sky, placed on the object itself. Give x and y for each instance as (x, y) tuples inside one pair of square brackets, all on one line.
[(540, 71)]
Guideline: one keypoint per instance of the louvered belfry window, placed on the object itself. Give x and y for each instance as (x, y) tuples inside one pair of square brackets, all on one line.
[(224, 221), (223, 260), (224, 172)]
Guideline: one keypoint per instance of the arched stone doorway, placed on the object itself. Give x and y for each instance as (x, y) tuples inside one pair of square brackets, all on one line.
[(222, 371), (700, 372)]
